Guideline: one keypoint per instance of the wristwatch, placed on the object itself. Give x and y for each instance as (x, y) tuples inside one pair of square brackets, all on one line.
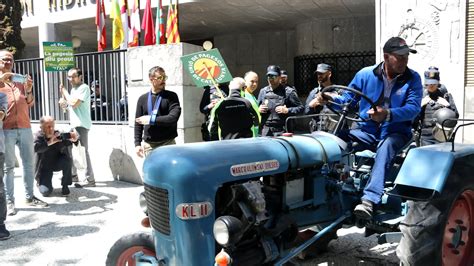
[(389, 116)]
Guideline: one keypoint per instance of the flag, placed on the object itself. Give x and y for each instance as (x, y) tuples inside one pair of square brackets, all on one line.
[(160, 24), (134, 34), (172, 33), (125, 23), (147, 25), (117, 29), (100, 22)]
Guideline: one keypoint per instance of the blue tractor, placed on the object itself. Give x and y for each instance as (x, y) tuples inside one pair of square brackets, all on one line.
[(244, 202)]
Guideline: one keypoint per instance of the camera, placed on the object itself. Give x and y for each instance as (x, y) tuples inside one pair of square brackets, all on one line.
[(65, 136)]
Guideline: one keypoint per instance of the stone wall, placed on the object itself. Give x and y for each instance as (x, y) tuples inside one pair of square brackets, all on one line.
[(255, 51), (335, 35)]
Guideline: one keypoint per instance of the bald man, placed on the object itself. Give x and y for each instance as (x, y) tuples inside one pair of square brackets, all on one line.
[(52, 154)]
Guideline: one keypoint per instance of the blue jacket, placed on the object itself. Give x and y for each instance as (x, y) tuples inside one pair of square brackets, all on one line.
[(405, 100)]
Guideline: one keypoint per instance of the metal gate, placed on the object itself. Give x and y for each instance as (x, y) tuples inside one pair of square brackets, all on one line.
[(106, 68), (345, 66)]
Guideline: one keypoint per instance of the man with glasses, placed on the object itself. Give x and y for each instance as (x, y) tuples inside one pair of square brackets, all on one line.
[(77, 103), (396, 91), (157, 114), (17, 131), (276, 103)]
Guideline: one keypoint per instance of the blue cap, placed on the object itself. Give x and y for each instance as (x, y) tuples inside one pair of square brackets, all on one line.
[(323, 68), (273, 70), (432, 76)]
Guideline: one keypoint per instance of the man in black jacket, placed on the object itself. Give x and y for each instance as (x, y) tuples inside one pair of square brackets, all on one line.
[(156, 118), (276, 103), (51, 151), (234, 116)]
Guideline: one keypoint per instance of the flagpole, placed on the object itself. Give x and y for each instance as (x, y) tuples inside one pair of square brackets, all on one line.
[(140, 32), (213, 81)]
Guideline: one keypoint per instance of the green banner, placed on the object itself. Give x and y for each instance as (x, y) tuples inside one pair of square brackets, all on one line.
[(58, 56), (206, 65)]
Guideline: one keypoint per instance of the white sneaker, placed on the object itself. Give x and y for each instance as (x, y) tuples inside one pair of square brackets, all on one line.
[(11, 210)]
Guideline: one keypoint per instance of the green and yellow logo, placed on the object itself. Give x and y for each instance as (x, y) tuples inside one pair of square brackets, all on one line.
[(206, 66)]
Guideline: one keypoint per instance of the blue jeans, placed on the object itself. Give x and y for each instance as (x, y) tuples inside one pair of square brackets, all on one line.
[(23, 137), (3, 202), (386, 150)]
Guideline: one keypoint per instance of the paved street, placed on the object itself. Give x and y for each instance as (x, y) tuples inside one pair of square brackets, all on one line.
[(80, 229), (74, 230)]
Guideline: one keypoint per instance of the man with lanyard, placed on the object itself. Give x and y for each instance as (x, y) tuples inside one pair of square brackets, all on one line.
[(323, 74), (234, 116), (251, 84), (276, 103), (77, 102), (396, 90), (157, 114)]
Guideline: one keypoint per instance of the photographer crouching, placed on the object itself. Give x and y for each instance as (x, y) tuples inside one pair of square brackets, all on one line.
[(52, 154)]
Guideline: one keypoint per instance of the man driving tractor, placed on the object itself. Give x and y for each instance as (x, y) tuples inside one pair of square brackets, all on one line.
[(396, 92)]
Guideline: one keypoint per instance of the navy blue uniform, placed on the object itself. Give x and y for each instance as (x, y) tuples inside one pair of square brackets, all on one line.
[(273, 122)]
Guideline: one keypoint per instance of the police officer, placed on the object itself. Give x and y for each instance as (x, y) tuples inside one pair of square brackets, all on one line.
[(323, 74), (284, 79), (235, 116), (436, 97), (276, 103)]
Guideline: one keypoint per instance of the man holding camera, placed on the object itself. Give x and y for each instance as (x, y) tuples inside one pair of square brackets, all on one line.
[(52, 154)]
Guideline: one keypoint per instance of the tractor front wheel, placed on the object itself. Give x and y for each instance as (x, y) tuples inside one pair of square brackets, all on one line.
[(121, 253)]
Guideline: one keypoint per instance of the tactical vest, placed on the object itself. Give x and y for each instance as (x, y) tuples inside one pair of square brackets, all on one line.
[(428, 121), (272, 100)]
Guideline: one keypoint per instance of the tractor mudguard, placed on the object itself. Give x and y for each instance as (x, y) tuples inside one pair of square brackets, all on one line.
[(426, 169)]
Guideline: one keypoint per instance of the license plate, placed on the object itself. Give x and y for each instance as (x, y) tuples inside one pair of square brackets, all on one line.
[(188, 211)]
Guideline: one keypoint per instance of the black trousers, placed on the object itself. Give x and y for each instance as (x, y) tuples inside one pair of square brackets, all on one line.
[(64, 164)]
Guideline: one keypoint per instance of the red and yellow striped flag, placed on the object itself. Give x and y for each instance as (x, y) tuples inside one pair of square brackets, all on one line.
[(172, 33)]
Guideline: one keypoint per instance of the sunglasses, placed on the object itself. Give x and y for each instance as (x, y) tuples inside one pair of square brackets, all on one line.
[(272, 76), (161, 78)]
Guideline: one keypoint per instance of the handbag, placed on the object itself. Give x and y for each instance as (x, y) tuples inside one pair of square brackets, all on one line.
[(79, 156)]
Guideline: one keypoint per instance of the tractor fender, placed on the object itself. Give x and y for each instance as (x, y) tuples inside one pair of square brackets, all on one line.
[(426, 169)]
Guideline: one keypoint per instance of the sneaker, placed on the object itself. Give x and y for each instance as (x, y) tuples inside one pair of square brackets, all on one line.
[(4, 234), (34, 201), (86, 183), (65, 191), (75, 178), (11, 210), (364, 210), (44, 190)]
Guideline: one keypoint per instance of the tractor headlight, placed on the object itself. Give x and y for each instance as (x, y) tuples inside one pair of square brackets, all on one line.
[(142, 201), (227, 230)]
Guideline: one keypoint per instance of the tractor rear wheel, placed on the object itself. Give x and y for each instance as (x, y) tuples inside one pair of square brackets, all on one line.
[(441, 231)]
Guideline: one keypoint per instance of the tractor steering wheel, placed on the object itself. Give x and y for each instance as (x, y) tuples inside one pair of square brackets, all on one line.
[(344, 107)]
